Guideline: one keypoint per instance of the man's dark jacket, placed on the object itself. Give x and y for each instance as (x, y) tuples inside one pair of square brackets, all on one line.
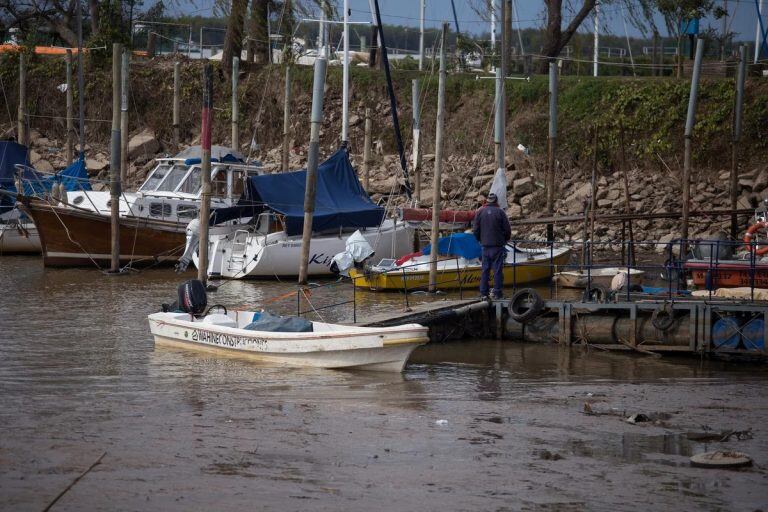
[(491, 226)]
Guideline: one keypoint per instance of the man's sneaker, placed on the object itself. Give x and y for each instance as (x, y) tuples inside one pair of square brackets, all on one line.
[(497, 296)]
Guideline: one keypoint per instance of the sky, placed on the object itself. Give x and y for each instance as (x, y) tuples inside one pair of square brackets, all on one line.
[(531, 12)]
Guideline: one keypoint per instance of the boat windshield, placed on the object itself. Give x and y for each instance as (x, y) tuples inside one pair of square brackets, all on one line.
[(191, 184), (155, 178), (173, 178), (219, 182)]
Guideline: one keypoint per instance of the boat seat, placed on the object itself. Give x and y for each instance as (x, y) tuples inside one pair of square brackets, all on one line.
[(219, 319)]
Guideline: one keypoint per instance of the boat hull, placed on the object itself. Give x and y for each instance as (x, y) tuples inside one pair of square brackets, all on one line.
[(731, 274), (602, 277), (452, 279), (19, 239), (76, 237), (382, 349)]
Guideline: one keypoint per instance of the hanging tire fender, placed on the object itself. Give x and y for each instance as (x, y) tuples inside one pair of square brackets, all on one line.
[(596, 293), (525, 305), (663, 318)]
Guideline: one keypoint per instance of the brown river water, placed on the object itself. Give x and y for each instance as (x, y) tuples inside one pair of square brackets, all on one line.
[(474, 425)]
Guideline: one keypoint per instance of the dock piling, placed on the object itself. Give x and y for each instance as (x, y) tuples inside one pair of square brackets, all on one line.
[(367, 159), (689, 123), (70, 151), (114, 157), (551, 146), (318, 92), (235, 104), (737, 121), (415, 93), (176, 104), (205, 164), (286, 119), (21, 133), (436, 185), (126, 64)]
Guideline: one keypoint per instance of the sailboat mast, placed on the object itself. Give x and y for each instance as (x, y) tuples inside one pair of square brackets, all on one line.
[(392, 100), (345, 94), (80, 80)]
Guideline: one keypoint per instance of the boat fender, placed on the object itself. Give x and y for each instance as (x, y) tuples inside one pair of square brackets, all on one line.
[(663, 317), (595, 293), (750, 233), (525, 305)]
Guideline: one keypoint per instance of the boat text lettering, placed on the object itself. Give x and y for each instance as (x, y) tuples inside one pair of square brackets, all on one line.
[(227, 340)]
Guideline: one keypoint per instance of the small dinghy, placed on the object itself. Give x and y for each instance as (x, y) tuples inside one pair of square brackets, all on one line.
[(597, 276), (290, 341)]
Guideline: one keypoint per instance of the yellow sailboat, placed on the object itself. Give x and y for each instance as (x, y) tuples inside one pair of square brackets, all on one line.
[(454, 271)]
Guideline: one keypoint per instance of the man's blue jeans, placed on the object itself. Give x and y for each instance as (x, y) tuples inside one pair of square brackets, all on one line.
[(493, 259)]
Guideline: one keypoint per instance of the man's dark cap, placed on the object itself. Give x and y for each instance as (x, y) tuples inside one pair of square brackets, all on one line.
[(492, 198)]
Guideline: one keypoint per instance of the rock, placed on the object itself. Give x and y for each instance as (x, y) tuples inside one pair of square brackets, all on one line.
[(746, 184), (42, 141), (660, 247), (612, 195), (514, 211), (604, 203), (354, 120), (523, 186), (34, 157), (143, 143), (95, 165), (43, 166), (527, 201), (574, 201), (761, 181), (482, 182)]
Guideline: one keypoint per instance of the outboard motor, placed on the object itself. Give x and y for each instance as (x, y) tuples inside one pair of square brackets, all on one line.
[(192, 298), (718, 247)]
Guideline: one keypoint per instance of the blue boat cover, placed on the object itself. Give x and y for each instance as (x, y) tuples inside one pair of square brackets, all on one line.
[(340, 200), (74, 177), (458, 244)]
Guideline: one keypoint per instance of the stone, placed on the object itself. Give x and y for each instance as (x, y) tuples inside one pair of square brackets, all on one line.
[(143, 143), (574, 201), (43, 166), (354, 120), (661, 246), (523, 186), (34, 157), (95, 165), (612, 195), (761, 181), (604, 203), (482, 182), (527, 201), (514, 211)]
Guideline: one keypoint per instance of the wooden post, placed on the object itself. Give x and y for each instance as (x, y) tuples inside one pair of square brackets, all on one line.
[(438, 165), (551, 147), (205, 196), (318, 91), (627, 204), (654, 54), (235, 104), (367, 159), (286, 119), (593, 196), (80, 79), (22, 134), (689, 123), (737, 118), (176, 105), (70, 111), (114, 158), (151, 45), (126, 63), (415, 92)]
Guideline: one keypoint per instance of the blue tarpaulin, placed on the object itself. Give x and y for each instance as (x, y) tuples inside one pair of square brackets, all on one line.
[(340, 200), (74, 177), (458, 244)]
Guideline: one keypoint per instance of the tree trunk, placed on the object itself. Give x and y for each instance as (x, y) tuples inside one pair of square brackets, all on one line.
[(258, 44), (93, 9), (233, 40), (555, 38)]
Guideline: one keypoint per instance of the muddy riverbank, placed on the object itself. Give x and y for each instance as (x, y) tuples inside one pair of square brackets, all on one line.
[(476, 425)]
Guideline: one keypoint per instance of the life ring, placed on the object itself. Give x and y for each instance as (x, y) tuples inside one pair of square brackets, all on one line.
[(750, 233), (525, 305)]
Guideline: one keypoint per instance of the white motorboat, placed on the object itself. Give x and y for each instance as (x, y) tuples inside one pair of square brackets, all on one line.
[(270, 244), (327, 346)]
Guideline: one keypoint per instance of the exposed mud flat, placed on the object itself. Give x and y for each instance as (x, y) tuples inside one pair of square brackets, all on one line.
[(469, 426)]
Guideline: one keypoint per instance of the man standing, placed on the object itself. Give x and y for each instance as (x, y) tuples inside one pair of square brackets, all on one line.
[(492, 230)]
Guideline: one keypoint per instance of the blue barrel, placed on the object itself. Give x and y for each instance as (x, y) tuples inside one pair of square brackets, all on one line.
[(753, 334), (725, 333)]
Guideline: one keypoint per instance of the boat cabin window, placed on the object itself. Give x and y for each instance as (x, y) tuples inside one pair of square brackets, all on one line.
[(238, 183), (191, 185), (219, 183), (155, 178), (160, 210), (186, 211), (173, 178)]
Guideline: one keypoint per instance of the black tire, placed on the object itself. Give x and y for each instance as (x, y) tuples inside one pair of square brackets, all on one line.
[(663, 318), (525, 305), (595, 293)]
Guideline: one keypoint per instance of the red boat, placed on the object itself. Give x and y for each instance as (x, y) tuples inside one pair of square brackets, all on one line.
[(727, 274)]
